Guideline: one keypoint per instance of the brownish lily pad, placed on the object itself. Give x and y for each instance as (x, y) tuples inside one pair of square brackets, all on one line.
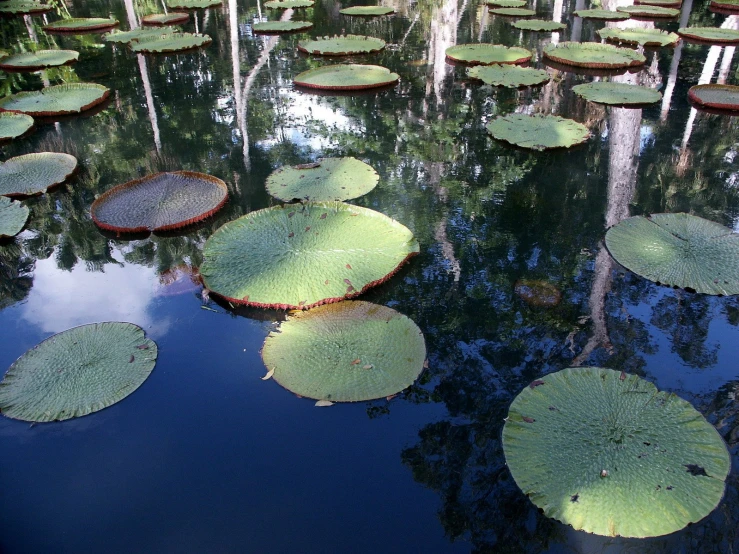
[(719, 97)]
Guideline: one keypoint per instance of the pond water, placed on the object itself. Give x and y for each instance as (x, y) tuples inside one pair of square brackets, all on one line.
[(207, 457)]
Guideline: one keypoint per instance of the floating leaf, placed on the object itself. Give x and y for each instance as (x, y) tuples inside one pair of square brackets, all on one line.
[(606, 15), (655, 12), (324, 403), (617, 94), (162, 19), (35, 173), (727, 5), (33, 61), (538, 132), (281, 257), (343, 45), (269, 374), (506, 3), (124, 37), (288, 4), (313, 350), (638, 35), (710, 34), (663, 3), (172, 42), (617, 457), (721, 97), (539, 25), (508, 75), (192, 4), (593, 54), (346, 77), (13, 216), (14, 125), (269, 27), (24, 7), (81, 24), (512, 12), (486, 54), (367, 10), (159, 202), (71, 98)]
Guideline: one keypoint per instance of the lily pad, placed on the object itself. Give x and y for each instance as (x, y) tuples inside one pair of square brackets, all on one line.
[(33, 61), (125, 37), (637, 35), (542, 25), (538, 293), (593, 54), (163, 19), (77, 372), (300, 256), (727, 5), (662, 3), (346, 352), (329, 179), (710, 34), (192, 4), (606, 15), (720, 97), (14, 125), (678, 250), (486, 54), (342, 45), (24, 7), (506, 3), (609, 454), (159, 202), (367, 10), (346, 77), (538, 132), (71, 98), (617, 94), (288, 4), (35, 173), (13, 216), (276, 27), (171, 42), (651, 12), (81, 25), (513, 76), (512, 12)]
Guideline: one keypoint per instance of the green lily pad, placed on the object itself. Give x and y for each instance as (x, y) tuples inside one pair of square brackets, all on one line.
[(636, 35), (649, 11), (13, 216), (159, 202), (606, 15), (486, 54), (81, 24), (343, 45), (300, 256), (125, 37), (346, 77), (662, 3), (346, 352), (678, 250), (720, 97), (538, 132), (171, 42), (35, 173), (192, 4), (728, 5), (609, 454), (512, 12), (288, 4), (77, 372), (163, 19), (71, 98), (329, 179), (13, 125), (24, 7), (617, 94), (367, 10), (538, 25), (593, 55), (513, 76), (269, 27), (506, 3), (710, 34), (33, 61)]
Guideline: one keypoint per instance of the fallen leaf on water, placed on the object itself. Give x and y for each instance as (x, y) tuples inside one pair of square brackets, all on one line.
[(324, 403), (529, 419), (355, 362), (131, 360), (368, 366), (269, 375), (425, 364), (535, 384), (143, 347), (622, 376), (389, 398)]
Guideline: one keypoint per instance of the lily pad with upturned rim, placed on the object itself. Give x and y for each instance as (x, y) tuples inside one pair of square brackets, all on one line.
[(728, 5), (77, 372), (513, 76), (607, 453), (341, 45), (31, 174), (538, 132), (593, 55), (288, 4), (163, 19), (23, 7), (506, 3), (159, 202), (193, 4), (71, 98), (710, 34), (367, 11), (33, 61), (487, 54), (346, 352), (541, 25), (661, 3), (13, 216), (638, 35), (346, 77), (617, 94), (652, 12), (720, 97), (606, 15), (277, 27), (300, 256), (81, 25), (512, 12), (14, 125), (679, 250), (328, 179), (125, 37), (172, 42)]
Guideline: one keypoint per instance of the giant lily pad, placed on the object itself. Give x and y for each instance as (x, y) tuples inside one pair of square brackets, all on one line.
[(662, 3), (638, 35), (14, 125), (605, 15), (651, 12), (343, 45), (538, 25), (159, 202), (24, 7), (35, 173), (593, 54), (720, 97), (367, 10), (33, 61), (299, 256), (346, 77), (609, 454), (727, 5), (486, 54), (192, 4), (13, 216), (512, 12), (56, 100), (617, 94), (171, 42), (710, 34), (508, 75), (679, 250), (162, 19), (346, 352), (538, 132), (288, 4), (506, 3), (81, 25), (276, 27), (125, 37), (77, 372), (329, 179)]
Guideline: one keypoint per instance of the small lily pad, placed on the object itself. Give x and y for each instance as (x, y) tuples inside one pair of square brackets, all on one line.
[(24, 7), (71, 98), (710, 34), (720, 97), (513, 76), (512, 12), (192, 4), (277, 27), (288, 4), (34, 173), (159, 202), (14, 125), (13, 216), (606, 15), (538, 132), (593, 55), (171, 42), (33, 61), (617, 94), (342, 45), (163, 19), (367, 10), (81, 25), (329, 179), (506, 3), (124, 37), (77, 372), (540, 25), (346, 77), (314, 354), (679, 250), (486, 54), (651, 12), (637, 35)]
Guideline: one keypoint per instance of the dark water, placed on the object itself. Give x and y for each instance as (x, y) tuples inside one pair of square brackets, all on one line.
[(206, 457)]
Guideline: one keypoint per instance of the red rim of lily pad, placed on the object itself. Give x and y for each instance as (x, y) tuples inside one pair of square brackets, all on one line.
[(723, 7), (162, 20), (696, 96)]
